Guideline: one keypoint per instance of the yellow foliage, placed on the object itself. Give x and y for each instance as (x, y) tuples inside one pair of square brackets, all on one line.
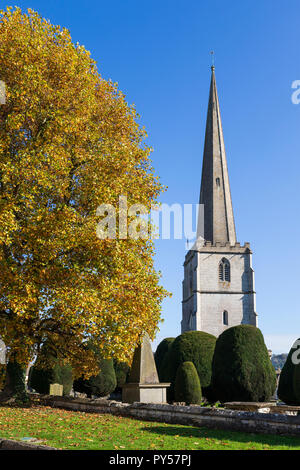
[(68, 143)]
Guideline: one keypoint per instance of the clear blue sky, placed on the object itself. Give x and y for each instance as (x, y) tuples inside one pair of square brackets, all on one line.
[(158, 52)]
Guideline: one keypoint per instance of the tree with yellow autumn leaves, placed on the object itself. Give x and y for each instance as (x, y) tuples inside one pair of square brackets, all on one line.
[(69, 142)]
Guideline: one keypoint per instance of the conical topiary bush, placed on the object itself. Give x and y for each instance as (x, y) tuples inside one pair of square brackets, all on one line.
[(187, 384), (101, 384), (192, 346)]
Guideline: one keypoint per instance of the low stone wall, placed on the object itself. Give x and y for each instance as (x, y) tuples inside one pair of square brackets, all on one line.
[(9, 444), (263, 407), (244, 421)]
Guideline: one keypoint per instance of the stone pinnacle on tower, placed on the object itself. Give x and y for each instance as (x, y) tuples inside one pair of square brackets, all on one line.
[(215, 189)]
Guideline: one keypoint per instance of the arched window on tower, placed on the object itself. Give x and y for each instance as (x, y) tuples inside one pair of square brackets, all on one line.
[(225, 317), (224, 270)]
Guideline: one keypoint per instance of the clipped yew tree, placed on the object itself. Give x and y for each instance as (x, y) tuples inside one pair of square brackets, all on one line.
[(187, 386), (160, 354), (49, 368), (99, 385), (70, 147), (14, 383), (289, 380), (102, 383), (40, 379), (242, 369), (121, 370), (196, 347)]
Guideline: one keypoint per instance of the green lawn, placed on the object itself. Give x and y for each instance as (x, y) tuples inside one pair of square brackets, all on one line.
[(76, 430)]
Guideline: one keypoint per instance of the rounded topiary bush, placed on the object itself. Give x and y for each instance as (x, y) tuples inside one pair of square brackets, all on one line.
[(289, 381), (160, 354), (196, 347), (187, 384), (242, 369), (101, 384), (40, 378)]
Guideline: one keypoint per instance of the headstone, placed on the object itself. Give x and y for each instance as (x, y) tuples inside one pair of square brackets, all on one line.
[(56, 389), (143, 383)]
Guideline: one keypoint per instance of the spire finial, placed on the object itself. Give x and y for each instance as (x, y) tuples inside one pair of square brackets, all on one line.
[(212, 60)]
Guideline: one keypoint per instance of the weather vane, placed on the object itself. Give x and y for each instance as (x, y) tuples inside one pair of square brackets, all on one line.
[(212, 58)]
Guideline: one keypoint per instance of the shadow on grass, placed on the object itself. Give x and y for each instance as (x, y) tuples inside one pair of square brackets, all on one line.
[(224, 435)]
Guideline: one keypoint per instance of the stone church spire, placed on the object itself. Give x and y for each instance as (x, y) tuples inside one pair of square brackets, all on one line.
[(215, 189), (218, 290)]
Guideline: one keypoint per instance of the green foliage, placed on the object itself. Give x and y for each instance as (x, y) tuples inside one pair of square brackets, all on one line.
[(41, 376), (2, 375), (192, 346), (242, 370), (15, 381), (64, 377), (289, 381), (187, 384), (101, 384), (121, 370), (160, 354), (40, 379), (296, 384)]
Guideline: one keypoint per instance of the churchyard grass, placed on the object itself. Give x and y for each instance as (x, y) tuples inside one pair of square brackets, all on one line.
[(76, 430)]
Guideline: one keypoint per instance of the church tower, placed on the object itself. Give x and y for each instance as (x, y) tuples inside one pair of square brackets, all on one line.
[(218, 286)]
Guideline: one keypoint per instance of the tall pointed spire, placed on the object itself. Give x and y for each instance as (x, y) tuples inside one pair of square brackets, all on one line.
[(215, 189)]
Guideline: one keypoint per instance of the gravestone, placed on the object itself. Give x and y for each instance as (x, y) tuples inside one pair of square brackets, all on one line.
[(143, 383), (56, 389)]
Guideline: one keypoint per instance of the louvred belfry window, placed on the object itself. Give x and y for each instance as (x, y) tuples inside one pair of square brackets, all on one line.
[(224, 270)]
